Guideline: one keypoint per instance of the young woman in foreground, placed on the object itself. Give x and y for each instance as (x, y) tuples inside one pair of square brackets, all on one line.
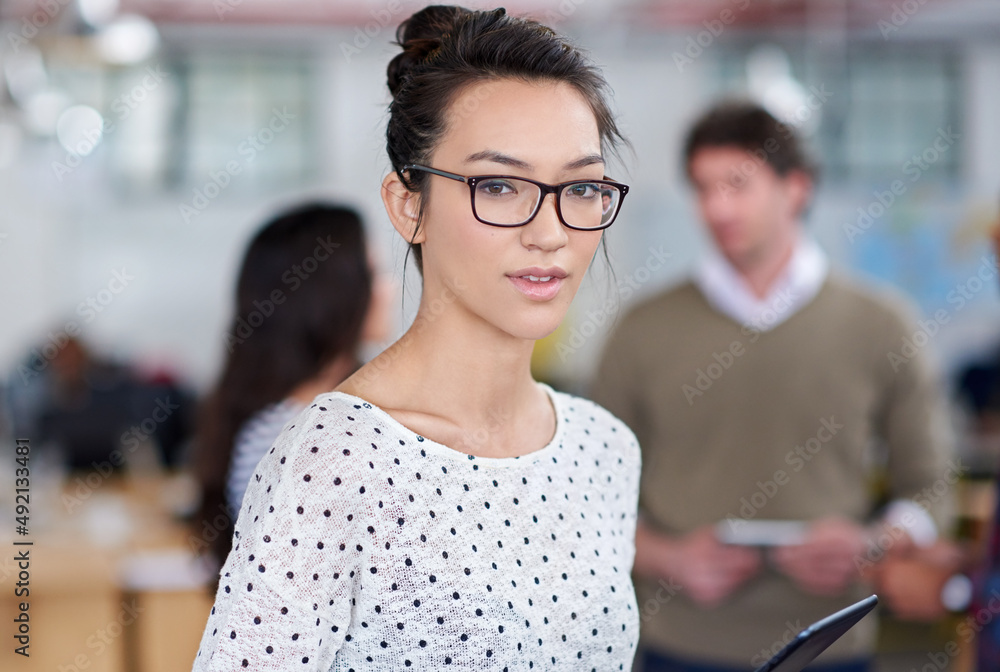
[(367, 540)]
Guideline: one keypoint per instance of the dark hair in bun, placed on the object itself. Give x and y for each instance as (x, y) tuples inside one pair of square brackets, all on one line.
[(446, 48)]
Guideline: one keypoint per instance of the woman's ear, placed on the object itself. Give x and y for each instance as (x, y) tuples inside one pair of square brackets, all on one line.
[(403, 208)]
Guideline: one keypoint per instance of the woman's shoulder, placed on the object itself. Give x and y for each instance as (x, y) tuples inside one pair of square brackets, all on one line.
[(586, 420), (328, 444), (339, 417), (576, 408)]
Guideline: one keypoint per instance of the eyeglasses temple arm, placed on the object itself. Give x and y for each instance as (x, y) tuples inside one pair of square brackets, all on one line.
[(435, 171)]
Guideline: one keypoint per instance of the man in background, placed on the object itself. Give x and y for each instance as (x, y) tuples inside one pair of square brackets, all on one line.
[(757, 390)]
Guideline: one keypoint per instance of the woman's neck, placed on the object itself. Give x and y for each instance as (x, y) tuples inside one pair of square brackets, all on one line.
[(454, 375), (466, 362)]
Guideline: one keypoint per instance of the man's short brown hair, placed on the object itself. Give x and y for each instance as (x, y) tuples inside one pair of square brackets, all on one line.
[(748, 126)]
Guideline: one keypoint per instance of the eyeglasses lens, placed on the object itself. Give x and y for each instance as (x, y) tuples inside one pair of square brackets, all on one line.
[(509, 201)]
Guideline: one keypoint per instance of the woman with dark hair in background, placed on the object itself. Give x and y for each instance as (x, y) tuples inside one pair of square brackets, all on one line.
[(375, 534), (304, 303)]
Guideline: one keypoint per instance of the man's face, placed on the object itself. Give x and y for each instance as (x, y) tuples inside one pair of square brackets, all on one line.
[(746, 206)]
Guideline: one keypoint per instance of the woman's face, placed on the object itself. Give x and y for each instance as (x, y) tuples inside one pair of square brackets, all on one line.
[(543, 131)]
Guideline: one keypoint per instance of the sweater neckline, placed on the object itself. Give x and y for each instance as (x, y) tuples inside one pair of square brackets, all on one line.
[(753, 327), (451, 453)]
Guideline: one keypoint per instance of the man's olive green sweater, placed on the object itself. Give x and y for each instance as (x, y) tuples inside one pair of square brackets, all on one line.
[(780, 424)]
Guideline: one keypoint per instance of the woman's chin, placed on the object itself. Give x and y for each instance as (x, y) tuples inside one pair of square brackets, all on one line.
[(537, 329)]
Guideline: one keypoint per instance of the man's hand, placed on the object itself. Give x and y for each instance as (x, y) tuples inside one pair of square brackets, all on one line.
[(911, 584), (707, 570), (825, 563)]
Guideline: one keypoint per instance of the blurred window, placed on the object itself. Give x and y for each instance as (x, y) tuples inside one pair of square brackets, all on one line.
[(885, 106), (248, 109), (901, 103), (240, 120)]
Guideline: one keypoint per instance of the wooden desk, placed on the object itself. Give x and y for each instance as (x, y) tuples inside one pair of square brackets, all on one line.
[(85, 613)]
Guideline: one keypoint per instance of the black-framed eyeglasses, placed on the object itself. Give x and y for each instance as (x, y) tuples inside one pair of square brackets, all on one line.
[(505, 200)]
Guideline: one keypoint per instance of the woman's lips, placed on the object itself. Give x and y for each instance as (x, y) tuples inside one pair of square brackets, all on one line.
[(541, 288)]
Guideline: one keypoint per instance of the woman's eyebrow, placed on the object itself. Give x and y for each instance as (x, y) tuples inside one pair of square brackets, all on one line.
[(507, 160), (498, 157), (588, 160)]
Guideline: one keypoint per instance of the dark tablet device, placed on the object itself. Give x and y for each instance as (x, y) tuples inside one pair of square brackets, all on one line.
[(817, 637)]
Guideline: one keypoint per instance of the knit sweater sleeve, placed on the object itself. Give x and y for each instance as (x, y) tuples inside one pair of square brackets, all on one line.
[(285, 591), (914, 423)]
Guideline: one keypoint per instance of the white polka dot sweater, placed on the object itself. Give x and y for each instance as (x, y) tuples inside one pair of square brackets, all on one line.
[(364, 546)]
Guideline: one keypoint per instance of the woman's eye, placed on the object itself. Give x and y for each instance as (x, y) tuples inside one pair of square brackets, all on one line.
[(497, 188), (587, 190)]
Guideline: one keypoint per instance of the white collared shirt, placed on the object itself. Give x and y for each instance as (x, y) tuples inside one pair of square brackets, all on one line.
[(730, 294)]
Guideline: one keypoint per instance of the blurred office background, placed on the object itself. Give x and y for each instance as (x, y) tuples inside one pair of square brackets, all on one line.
[(143, 141)]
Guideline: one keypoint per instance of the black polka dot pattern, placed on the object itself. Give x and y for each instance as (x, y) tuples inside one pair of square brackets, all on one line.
[(400, 553)]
